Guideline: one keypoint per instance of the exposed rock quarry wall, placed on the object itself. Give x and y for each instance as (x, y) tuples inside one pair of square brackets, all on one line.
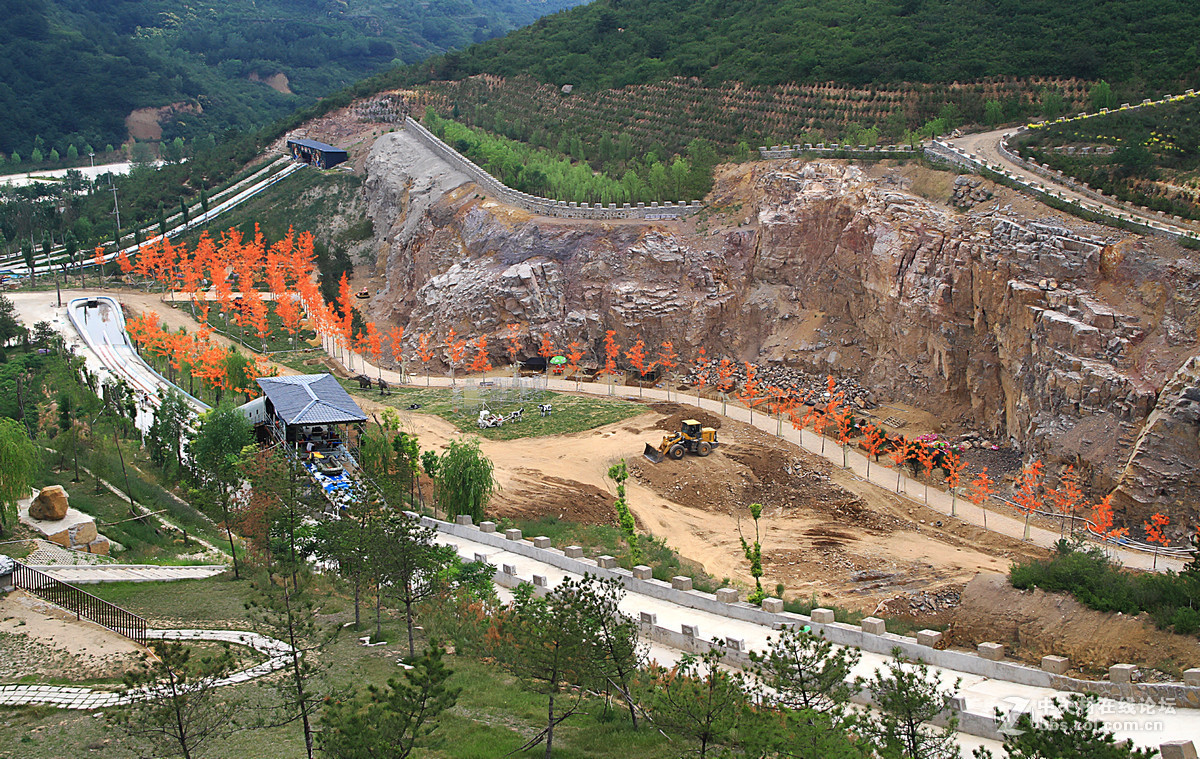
[(1057, 341)]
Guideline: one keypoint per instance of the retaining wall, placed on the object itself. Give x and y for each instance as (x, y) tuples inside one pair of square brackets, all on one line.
[(544, 206), (840, 633), (840, 151)]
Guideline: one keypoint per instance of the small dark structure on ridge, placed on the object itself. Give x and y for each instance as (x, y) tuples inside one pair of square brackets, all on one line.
[(316, 153)]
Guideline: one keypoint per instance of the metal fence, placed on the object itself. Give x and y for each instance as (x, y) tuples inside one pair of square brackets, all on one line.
[(83, 604)]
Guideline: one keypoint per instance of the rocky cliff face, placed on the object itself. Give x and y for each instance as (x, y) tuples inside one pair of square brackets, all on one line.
[(1024, 329)]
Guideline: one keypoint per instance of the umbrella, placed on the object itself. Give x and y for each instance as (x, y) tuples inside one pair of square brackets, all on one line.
[(558, 360)]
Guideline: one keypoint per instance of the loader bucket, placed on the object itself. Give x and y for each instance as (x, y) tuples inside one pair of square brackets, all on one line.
[(652, 454)]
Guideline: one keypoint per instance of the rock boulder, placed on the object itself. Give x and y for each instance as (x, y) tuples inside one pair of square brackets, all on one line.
[(50, 505)]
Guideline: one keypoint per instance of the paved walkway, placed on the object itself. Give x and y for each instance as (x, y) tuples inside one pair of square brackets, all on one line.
[(986, 148), (276, 651), (83, 574), (1146, 725)]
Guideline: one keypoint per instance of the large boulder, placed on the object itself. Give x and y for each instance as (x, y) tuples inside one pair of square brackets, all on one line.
[(50, 504)]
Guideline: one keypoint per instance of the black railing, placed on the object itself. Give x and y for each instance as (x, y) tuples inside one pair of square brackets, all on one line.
[(79, 602)]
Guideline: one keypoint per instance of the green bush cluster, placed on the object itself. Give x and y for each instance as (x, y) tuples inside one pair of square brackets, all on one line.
[(1171, 599)]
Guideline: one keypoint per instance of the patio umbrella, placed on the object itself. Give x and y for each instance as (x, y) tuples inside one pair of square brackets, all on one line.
[(558, 360)]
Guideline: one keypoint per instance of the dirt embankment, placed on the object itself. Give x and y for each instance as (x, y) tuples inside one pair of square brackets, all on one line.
[(1034, 623)]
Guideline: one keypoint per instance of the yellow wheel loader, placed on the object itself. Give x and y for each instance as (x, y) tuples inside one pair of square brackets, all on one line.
[(691, 438)]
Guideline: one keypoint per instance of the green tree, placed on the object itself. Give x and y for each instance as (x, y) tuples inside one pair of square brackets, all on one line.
[(54, 156), (16, 158), (18, 460), (1101, 96), (465, 481), (753, 553), (1052, 105), (390, 722), (167, 433), (908, 696), (618, 473), (698, 698), (36, 156), (804, 671), (993, 113), (30, 263), (618, 654), (548, 643), (215, 449), (408, 562), (183, 708), (72, 152), (1067, 734), (9, 326)]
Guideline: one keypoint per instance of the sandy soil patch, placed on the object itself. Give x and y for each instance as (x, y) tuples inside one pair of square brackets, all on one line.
[(37, 638)]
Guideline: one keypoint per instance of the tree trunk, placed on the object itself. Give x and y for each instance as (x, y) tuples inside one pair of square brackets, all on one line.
[(229, 534), (550, 725), (412, 649), (357, 618)]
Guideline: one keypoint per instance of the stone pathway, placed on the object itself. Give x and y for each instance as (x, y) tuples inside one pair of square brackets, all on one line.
[(86, 574), (276, 651)]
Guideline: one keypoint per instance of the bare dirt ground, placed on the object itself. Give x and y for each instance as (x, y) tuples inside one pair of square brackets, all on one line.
[(1033, 623), (824, 533), (42, 640)]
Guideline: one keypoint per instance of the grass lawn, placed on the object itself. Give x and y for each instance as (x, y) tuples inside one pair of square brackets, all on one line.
[(493, 717), (602, 540), (572, 413)]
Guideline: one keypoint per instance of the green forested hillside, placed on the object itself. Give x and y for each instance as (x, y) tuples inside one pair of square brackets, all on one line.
[(72, 70), (1134, 44)]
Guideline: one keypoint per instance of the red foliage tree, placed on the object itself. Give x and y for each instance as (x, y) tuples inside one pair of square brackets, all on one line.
[(374, 345), (611, 352), (480, 364), (574, 353), (1028, 491), (954, 465), (455, 350), (1155, 533), (901, 451), (668, 359), (512, 345), (396, 341), (981, 492), (750, 389), (425, 352), (547, 351), (637, 359), (873, 439), (702, 367)]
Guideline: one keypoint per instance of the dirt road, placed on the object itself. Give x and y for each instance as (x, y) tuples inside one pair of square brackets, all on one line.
[(986, 146)]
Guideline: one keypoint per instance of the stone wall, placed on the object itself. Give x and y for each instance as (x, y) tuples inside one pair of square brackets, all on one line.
[(837, 151), (544, 206)]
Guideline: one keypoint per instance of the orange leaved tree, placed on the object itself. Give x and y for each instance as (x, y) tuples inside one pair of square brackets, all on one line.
[(425, 353), (98, 260), (701, 366), (611, 352), (844, 423), (574, 353), (1028, 491), (1067, 498), (637, 359), (872, 441), (1102, 521), (346, 306), (724, 381), (925, 455), (750, 389), (375, 346), (1155, 533), (455, 350), (546, 350), (480, 363), (954, 464), (395, 339), (981, 492), (901, 451), (512, 345), (668, 359)]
